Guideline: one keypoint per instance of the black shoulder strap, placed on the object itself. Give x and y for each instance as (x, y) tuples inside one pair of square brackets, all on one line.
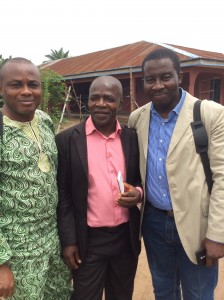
[(201, 143), (1, 125)]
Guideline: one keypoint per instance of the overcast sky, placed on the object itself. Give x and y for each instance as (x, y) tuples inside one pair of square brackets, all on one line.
[(31, 28)]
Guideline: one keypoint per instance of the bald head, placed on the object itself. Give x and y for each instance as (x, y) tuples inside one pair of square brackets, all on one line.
[(110, 82), (16, 60)]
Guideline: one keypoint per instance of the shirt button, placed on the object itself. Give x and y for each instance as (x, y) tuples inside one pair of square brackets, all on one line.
[(160, 159), (161, 141), (164, 195), (160, 177)]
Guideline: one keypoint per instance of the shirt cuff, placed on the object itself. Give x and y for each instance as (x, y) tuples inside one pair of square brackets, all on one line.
[(141, 192)]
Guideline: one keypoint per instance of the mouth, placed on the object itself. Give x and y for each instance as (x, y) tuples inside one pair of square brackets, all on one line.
[(159, 95), (26, 102), (100, 113)]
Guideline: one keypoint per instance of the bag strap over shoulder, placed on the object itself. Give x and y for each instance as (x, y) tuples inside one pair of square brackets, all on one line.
[(201, 143)]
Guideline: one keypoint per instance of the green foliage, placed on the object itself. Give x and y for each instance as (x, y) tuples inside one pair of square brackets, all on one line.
[(54, 55), (53, 91), (3, 60)]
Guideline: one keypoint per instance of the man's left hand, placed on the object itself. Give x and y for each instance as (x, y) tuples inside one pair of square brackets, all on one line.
[(130, 198), (214, 251)]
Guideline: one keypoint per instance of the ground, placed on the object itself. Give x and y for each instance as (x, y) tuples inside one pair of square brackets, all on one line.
[(143, 285)]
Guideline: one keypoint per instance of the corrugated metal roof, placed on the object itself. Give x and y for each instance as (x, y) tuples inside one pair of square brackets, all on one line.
[(202, 53), (130, 55)]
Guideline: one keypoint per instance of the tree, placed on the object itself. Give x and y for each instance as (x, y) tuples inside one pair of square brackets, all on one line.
[(53, 93), (3, 60), (54, 55)]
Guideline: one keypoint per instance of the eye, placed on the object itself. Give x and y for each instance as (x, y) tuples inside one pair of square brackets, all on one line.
[(34, 84), (93, 98), (15, 85), (166, 77), (149, 80), (109, 99)]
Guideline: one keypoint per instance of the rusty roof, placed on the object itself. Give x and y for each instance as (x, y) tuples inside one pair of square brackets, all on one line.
[(125, 56), (202, 53)]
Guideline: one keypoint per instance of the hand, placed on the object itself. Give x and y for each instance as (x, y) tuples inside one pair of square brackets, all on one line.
[(6, 281), (214, 251), (71, 256), (130, 198)]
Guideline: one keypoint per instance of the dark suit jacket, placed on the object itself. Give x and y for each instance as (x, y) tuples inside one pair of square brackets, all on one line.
[(73, 185)]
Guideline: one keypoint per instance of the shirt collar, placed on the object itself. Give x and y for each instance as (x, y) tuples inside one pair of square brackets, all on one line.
[(90, 127), (21, 125)]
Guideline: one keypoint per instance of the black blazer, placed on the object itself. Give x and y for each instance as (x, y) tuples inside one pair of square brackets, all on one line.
[(73, 185)]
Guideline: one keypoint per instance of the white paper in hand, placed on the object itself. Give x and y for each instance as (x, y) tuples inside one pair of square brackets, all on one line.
[(120, 182)]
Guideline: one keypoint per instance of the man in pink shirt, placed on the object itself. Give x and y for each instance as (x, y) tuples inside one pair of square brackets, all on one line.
[(98, 225)]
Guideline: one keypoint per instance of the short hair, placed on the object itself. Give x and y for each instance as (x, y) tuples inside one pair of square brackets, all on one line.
[(14, 60), (163, 53), (113, 80)]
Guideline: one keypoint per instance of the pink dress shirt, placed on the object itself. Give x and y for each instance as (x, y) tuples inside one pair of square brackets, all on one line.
[(105, 158)]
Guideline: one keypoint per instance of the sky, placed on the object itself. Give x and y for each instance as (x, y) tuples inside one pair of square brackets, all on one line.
[(31, 28)]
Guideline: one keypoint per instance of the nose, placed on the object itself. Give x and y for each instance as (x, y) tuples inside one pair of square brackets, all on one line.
[(101, 102), (26, 90), (158, 85)]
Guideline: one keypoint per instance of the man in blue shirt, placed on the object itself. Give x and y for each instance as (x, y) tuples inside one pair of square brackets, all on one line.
[(179, 216)]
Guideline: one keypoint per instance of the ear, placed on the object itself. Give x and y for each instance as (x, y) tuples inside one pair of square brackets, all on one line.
[(121, 104), (0, 88), (180, 77)]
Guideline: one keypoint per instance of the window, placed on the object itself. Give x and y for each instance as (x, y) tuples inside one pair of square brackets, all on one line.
[(210, 89)]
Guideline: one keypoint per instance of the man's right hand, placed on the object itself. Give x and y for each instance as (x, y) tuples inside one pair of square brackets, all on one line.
[(71, 256), (6, 281)]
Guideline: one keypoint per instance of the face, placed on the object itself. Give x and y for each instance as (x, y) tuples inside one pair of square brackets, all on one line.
[(161, 84), (105, 98), (21, 89)]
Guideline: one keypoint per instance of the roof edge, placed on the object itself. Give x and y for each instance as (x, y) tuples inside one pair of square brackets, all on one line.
[(184, 52), (203, 62)]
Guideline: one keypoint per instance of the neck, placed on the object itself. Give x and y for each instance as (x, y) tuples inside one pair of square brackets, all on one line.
[(16, 117), (107, 130)]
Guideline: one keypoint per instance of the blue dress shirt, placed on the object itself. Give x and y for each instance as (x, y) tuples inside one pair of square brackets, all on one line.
[(160, 133)]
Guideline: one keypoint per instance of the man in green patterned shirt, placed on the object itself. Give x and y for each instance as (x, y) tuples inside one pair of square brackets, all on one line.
[(30, 264)]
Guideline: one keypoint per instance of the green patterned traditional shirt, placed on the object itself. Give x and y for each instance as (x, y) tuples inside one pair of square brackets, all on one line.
[(28, 189)]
